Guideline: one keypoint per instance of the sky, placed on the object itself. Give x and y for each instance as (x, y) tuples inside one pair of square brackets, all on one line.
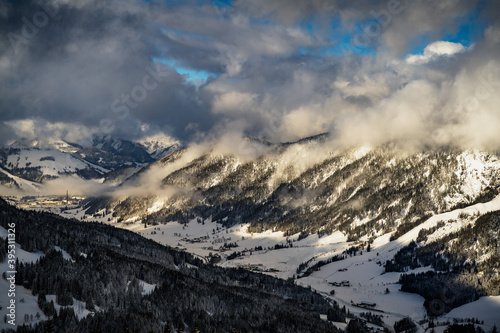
[(367, 71)]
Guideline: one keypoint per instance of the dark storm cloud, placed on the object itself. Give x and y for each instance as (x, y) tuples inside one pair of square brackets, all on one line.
[(86, 55), (73, 67)]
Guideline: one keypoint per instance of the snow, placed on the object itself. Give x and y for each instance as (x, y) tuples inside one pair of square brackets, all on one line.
[(65, 254), (32, 158), (481, 208), (367, 277), (64, 146), (485, 308), (156, 207), (147, 288), (475, 168), (22, 255), (366, 274), (368, 283), (159, 145), (24, 185), (78, 306), (132, 219), (26, 303), (51, 162)]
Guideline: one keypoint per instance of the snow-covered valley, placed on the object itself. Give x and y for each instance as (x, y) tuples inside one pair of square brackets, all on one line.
[(358, 279)]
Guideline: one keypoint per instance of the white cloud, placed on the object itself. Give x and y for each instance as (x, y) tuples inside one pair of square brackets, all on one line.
[(40, 129), (234, 102), (435, 51)]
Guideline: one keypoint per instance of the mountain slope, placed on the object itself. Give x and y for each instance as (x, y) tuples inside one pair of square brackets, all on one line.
[(112, 159), (310, 187), (39, 165), (107, 268)]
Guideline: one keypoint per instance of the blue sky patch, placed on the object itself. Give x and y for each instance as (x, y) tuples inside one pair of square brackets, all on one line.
[(194, 76)]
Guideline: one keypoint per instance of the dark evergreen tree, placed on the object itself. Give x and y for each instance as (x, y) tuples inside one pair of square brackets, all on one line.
[(49, 326), (405, 325), (357, 326)]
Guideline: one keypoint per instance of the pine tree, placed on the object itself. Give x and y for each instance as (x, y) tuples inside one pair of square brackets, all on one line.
[(49, 326), (494, 329), (89, 305)]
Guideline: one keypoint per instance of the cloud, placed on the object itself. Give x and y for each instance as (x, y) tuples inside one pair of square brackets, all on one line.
[(440, 104), (393, 24), (91, 69), (436, 50), (151, 180), (27, 130), (87, 57), (6, 133), (234, 102), (75, 186)]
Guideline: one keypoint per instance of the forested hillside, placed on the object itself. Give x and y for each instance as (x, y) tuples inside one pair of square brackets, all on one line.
[(109, 266), (466, 264)]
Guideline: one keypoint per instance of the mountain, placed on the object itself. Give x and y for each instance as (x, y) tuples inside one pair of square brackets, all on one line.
[(61, 145), (417, 203), (159, 145), (115, 153), (24, 164), (310, 187), (14, 182), (39, 165), (89, 277)]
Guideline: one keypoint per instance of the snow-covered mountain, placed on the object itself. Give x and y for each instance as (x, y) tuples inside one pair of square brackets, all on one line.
[(23, 164), (39, 165), (419, 205), (311, 187), (159, 145), (14, 182), (112, 153)]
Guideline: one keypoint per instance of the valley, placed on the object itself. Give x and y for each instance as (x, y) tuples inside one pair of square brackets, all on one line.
[(280, 256)]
